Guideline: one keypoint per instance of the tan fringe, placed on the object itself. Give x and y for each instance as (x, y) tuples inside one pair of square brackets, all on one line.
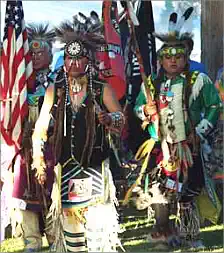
[(58, 126)]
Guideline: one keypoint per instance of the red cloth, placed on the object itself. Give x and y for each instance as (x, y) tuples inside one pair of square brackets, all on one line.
[(113, 56)]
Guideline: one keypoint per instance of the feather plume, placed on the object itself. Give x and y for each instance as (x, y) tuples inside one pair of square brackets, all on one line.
[(87, 24), (172, 22), (66, 32), (95, 21), (183, 19), (94, 17), (83, 16), (41, 32), (174, 37)]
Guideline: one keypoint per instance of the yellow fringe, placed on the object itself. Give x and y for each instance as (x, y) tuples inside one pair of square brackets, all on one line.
[(75, 214), (143, 152), (33, 113)]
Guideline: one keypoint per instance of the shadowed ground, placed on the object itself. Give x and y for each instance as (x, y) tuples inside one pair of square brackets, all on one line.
[(134, 238)]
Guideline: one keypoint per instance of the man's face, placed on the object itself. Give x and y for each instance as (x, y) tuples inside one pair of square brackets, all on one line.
[(75, 67), (41, 58), (174, 65)]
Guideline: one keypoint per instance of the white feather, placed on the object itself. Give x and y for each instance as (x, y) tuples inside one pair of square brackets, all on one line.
[(197, 86), (172, 26), (180, 23), (143, 90)]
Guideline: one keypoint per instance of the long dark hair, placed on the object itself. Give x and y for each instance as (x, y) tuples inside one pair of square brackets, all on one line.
[(160, 78), (90, 118)]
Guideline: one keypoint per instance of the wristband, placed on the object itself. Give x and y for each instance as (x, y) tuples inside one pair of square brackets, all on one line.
[(117, 119)]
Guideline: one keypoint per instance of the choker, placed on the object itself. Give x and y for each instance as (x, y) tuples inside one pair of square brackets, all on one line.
[(76, 84), (76, 87)]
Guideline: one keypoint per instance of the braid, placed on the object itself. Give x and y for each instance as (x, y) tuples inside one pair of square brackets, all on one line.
[(158, 81), (90, 118), (188, 87)]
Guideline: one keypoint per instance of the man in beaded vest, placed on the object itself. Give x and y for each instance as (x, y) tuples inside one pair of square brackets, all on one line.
[(176, 166), (85, 111), (31, 199)]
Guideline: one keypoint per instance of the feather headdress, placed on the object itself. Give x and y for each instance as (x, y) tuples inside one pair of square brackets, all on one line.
[(39, 35), (87, 24), (174, 35), (86, 31)]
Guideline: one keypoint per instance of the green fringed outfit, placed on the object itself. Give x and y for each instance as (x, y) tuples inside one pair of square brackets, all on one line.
[(187, 106)]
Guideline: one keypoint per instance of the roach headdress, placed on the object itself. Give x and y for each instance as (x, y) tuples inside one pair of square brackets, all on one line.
[(81, 37), (39, 36)]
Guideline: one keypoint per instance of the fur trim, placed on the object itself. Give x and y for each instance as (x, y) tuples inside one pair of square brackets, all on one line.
[(173, 38)]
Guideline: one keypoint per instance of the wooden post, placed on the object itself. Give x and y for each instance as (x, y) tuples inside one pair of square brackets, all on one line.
[(212, 35)]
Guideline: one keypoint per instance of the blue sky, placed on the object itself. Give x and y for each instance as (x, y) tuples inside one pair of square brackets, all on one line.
[(53, 11), (56, 11)]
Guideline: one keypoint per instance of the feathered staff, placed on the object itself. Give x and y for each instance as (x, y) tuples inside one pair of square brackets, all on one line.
[(132, 22), (146, 148)]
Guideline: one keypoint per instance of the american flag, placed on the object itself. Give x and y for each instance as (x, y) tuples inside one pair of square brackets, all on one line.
[(16, 73)]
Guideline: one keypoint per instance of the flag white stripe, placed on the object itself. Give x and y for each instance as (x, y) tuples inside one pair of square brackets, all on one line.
[(7, 113), (29, 70), (20, 72), (17, 129), (23, 95), (19, 43), (12, 55)]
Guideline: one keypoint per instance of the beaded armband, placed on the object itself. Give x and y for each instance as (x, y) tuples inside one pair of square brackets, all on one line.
[(117, 120)]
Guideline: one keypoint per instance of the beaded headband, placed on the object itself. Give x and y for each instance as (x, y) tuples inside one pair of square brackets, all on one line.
[(172, 51), (40, 36)]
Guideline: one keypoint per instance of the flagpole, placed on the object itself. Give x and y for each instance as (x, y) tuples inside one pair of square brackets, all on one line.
[(137, 52), (145, 149)]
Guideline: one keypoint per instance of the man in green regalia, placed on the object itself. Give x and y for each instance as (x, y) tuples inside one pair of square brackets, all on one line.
[(175, 123)]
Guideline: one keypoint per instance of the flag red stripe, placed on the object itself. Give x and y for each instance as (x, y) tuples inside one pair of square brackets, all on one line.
[(17, 71)]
